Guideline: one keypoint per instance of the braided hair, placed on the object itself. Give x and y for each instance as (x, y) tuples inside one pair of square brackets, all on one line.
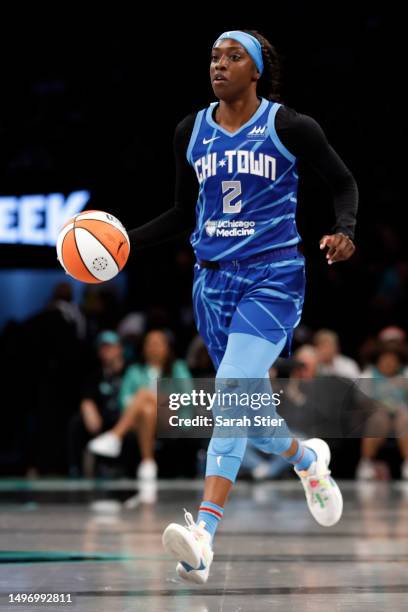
[(269, 83)]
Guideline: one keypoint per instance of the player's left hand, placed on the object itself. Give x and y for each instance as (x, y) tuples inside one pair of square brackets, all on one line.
[(341, 247)]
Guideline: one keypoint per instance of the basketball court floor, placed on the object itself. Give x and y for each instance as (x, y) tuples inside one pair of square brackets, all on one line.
[(80, 538)]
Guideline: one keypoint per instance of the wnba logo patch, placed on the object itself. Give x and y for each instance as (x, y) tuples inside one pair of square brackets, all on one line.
[(257, 133)]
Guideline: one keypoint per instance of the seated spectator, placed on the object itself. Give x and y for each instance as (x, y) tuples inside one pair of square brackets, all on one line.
[(198, 360), (388, 391), (391, 337), (306, 369), (331, 362), (139, 399), (132, 329), (100, 405)]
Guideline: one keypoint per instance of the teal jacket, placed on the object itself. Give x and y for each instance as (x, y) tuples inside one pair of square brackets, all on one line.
[(140, 376)]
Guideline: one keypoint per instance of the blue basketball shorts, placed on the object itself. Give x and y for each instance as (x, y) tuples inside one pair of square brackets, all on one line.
[(262, 297)]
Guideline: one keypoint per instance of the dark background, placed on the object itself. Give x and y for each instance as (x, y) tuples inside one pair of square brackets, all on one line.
[(92, 103)]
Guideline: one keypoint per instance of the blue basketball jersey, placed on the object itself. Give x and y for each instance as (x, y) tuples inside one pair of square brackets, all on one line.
[(247, 187)]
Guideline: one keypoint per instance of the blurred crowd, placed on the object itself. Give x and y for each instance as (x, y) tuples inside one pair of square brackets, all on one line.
[(79, 390)]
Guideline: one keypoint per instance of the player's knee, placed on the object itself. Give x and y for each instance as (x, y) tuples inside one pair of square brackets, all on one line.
[(229, 374), (242, 368), (233, 381), (234, 447)]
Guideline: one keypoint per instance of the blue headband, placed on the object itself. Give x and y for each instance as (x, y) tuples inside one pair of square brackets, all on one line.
[(250, 44)]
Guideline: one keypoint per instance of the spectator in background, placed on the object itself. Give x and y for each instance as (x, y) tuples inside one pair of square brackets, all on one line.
[(198, 360), (139, 399), (101, 307), (331, 362), (132, 329), (316, 405), (100, 405), (389, 390), (52, 358), (306, 369), (62, 301), (392, 337), (392, 333)]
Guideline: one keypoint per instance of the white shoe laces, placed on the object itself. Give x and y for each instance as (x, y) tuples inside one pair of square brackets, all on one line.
[(200, 532), (188, 517), (198, 529)]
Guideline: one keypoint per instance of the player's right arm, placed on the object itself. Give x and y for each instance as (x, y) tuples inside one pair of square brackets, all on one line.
[(181, 217)]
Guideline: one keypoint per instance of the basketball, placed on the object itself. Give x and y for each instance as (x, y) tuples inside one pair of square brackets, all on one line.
[(93, 246)]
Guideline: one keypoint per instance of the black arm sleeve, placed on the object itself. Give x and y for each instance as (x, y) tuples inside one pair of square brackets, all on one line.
[(177, 220), (305, 139)]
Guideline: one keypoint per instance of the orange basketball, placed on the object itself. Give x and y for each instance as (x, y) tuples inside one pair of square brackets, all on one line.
[(93, 246)]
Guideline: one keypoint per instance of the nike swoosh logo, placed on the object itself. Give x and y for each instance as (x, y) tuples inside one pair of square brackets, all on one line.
[(219, 460), (205, 141)]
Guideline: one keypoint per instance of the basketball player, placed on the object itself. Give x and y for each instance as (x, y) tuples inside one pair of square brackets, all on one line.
[(241, 154)]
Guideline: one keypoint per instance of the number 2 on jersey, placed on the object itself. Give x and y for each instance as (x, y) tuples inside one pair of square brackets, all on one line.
[(234, 191)]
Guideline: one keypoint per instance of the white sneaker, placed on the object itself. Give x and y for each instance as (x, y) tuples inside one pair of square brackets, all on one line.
[(147, 470), (322, 493), (191, 546), (365, 470), (107, 445), (404, 470)]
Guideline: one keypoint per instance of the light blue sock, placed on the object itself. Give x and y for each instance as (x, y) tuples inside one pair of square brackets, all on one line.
[(211, 514), (303, 458)]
